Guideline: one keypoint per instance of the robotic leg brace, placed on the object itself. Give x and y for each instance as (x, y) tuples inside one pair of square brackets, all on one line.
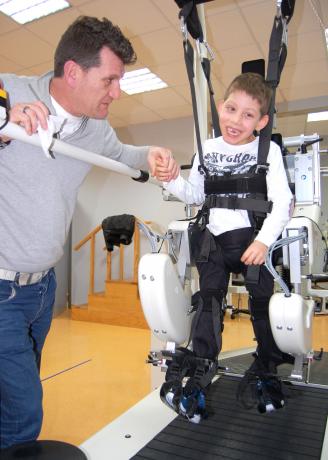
[(190, 373), (174, 316)]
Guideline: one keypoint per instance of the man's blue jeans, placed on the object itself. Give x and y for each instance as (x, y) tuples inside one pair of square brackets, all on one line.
[(25, 318)]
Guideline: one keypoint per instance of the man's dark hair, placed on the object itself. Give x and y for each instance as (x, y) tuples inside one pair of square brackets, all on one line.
[(84, 39), (255, 86)]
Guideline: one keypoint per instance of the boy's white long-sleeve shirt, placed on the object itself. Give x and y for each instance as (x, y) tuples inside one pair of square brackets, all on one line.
[(220, 157)]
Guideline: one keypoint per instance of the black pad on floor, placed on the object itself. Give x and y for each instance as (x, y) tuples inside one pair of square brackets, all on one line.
[(295, 432), (43, 450)]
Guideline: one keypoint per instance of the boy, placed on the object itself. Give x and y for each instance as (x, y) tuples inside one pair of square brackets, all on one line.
[(236, 237)]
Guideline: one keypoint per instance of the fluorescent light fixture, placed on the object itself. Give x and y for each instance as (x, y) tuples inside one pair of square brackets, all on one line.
[(141, 80), (317, 116), (24, 11), (326, 36)]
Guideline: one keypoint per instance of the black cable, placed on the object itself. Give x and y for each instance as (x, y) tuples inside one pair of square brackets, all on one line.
[(314, 222)]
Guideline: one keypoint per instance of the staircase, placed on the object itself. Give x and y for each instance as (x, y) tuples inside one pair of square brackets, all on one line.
[(119, 304)]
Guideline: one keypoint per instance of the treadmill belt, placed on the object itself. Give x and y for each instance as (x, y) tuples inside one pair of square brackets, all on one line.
[(295, 432), (318, 371)]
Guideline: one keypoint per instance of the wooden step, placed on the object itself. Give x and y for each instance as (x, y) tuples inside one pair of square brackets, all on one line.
[(119, 305), (121, 290)]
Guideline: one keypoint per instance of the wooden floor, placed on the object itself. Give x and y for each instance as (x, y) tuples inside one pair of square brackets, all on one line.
[(92, 372)]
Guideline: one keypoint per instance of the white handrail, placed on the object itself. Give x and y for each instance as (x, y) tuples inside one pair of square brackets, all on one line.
[(14, 131)]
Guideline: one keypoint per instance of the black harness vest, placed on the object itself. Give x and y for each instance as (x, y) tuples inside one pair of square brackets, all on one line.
[(224, 192)]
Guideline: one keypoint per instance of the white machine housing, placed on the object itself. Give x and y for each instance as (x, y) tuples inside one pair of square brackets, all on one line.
[(291, 322), (165, 288)]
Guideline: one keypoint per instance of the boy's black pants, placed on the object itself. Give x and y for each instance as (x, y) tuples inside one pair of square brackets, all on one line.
[(214, 274)]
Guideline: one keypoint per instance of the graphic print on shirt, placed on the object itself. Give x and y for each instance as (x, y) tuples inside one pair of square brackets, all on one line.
[(229, 163)]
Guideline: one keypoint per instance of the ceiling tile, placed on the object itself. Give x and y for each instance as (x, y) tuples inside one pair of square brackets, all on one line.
[(232, 60), (173, 73), (306, 47), (129, 109), (220, 31), (184, 91), (305, 91), (51, 28), (159, 47), (304, 19), (170, 10), (305, 75), (79, 2), (175, 112), (129, 15), (18, 46), (160, 99), (38, 69), (237, 30), (8, 66), (7, 24), (259, 18), (214, 8)]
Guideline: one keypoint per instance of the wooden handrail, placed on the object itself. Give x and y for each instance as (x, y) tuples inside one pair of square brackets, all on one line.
[(91, 236), (87, 237)]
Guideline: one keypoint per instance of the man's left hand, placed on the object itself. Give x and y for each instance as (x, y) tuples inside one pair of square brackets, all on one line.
[(169, 168)]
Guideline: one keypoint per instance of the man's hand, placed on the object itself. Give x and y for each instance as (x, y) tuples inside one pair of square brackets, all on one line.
[(30, 116), (255, 254), (162, 164)]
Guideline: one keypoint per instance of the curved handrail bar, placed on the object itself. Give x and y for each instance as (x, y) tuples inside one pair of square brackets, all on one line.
[(14, 131)]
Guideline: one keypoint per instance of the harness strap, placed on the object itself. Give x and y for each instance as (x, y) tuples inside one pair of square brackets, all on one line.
[(206, 65), (253, 274), (234, 202), (276, 61), (237, 183), (191, 20), (189, 60)]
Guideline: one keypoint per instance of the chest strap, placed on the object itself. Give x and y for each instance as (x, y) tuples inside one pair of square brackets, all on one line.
[(234, 202), (237, 183)]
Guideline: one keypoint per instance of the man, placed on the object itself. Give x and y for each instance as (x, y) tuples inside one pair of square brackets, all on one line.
[(38, 196)]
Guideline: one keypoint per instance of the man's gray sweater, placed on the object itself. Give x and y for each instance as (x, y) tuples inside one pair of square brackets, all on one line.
[(37, 194)]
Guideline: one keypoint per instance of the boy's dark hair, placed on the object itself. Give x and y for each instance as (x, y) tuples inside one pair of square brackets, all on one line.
[(84, 39), (255, 86)]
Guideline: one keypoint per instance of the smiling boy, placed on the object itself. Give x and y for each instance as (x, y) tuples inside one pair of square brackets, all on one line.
[(233, 239)]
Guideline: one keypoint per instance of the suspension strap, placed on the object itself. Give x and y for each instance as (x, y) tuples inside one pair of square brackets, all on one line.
[(276, 61), (189, 60), (190, 23), (206, 65)]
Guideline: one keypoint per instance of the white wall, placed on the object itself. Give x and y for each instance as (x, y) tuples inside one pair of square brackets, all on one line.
[(106, 194)]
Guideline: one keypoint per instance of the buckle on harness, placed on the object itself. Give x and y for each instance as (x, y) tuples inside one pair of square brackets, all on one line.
[(261, 168)]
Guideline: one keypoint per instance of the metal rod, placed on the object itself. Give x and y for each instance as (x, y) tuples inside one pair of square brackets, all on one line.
[(14, 131)]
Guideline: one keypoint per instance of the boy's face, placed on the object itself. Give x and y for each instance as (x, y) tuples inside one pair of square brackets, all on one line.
[(240, 115)]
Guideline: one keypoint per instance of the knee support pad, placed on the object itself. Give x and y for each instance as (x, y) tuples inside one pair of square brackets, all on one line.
[(207, 324)]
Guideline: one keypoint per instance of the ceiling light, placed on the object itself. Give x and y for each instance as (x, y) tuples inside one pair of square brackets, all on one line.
[(24, 11), (141, 80), (317, 116)]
